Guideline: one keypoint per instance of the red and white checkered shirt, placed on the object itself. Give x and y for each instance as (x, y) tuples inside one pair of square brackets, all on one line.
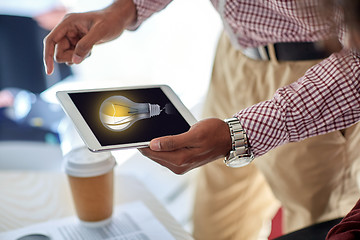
[(325, 99)]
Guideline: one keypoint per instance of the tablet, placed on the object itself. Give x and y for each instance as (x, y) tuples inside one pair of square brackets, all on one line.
[(130, 117)]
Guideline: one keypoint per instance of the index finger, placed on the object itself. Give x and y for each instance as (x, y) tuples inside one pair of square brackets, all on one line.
[(49, 49), (50, 42), (178, 161)]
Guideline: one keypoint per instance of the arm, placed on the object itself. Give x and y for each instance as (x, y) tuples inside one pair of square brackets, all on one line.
[(326, 99), (72, 39)]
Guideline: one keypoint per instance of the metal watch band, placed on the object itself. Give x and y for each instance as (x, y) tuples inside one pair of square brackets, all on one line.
[(240, 154)]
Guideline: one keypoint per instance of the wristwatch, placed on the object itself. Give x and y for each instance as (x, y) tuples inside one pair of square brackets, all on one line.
[(240, 154)]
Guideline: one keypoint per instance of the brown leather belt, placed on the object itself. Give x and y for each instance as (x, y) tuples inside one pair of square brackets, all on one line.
[(288, 51)]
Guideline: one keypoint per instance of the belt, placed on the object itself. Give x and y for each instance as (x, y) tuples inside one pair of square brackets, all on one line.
[(288, 51)]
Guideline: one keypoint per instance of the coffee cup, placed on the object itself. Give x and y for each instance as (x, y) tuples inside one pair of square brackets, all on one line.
[(91, 180)]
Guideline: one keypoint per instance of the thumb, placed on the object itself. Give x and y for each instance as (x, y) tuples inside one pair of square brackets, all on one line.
[(85, 45), (170, 143)]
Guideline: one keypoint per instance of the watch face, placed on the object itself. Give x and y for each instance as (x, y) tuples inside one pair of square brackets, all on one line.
[(238, 162)]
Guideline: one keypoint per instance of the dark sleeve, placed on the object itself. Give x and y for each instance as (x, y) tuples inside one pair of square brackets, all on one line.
[(349, 227)]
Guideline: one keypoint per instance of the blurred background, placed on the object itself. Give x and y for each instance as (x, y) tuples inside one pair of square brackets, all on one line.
[(174, 47)]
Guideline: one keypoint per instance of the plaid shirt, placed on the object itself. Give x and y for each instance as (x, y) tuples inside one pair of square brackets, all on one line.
[(325, 99)]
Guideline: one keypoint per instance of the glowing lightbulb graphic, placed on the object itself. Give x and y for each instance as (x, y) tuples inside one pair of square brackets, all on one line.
[(118, 113)]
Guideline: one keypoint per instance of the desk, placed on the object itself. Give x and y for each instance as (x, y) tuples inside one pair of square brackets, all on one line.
[(29, 197)]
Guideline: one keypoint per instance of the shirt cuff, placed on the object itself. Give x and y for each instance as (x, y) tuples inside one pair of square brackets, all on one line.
[(144, 9), (264, 127)]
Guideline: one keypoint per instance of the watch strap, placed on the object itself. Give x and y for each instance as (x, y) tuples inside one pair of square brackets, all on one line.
[(240, 154)]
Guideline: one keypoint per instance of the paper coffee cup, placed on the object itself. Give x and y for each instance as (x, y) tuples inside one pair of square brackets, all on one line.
[(91, 181)]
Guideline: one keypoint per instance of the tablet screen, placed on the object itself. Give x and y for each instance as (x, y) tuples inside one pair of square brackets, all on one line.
[(129, 116)]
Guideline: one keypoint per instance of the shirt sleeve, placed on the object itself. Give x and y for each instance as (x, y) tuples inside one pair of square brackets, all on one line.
[(325, 99), (349, 227), (145, 8)]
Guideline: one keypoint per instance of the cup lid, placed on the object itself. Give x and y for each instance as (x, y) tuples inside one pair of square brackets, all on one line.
[(81, 162)]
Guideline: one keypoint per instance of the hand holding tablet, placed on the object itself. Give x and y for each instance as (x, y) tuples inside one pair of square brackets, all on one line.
[(125, 117)]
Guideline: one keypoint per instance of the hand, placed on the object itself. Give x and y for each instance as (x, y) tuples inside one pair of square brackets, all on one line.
[(352, 39), (72, 39), (205, 142), (6, 98)]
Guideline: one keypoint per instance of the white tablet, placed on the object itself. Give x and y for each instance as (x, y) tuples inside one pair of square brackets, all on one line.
[(116, 118)]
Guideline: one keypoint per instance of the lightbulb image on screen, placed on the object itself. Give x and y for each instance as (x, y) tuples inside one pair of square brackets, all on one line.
[(118, 113)]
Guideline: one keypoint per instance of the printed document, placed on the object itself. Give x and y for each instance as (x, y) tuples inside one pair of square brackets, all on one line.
[(131, 221)]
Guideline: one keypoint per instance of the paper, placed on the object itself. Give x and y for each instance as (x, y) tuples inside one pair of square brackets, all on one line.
[(132, 221)]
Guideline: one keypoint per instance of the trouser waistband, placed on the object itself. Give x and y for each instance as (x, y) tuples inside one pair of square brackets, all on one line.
[(288, 51)]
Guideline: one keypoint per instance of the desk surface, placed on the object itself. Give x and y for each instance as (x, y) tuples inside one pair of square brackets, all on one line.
[(29, 197)]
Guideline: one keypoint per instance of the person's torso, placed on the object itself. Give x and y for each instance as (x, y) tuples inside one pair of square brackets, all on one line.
[(259, 22)]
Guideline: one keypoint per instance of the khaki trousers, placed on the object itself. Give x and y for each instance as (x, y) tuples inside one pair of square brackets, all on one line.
[(313, 180)]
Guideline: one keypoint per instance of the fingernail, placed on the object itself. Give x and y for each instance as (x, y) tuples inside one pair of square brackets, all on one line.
[(155, 145), (77, 59), (48, 72)]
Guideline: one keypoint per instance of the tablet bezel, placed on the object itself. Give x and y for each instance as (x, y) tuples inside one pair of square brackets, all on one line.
[(84, 129)]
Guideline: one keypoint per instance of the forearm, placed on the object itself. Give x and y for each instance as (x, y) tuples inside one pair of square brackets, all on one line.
[(121, 13), (325, 99)]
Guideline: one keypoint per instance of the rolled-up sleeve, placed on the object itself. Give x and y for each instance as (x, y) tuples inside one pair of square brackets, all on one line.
[(325, 99), (145, 8)]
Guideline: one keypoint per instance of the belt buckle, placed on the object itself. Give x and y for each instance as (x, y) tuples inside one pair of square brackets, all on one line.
[(263, 53), (256, 53)]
